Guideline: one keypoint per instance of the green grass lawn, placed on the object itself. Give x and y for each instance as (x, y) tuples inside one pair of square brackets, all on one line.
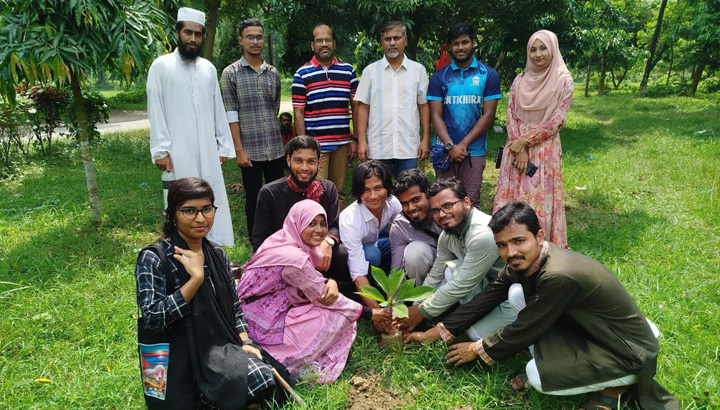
[(642, 185)]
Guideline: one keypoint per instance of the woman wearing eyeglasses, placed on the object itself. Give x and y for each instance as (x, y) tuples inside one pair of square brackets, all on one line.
[(193, 343)]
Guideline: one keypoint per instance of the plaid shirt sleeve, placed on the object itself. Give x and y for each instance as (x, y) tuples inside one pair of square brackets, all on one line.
[(278, 92), (229, 91), (158, 309), (480, 349)]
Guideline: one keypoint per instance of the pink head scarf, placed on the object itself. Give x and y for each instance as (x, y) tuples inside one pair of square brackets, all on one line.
[(540, 89), (285, 247)]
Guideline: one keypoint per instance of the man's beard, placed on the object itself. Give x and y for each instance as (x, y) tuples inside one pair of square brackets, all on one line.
[(285, 128), (188, 54), (423, 223), (457, 228), (393, 53), (300, 184)]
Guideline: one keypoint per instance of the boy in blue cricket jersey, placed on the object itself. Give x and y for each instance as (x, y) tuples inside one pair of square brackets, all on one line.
[(463, 97)]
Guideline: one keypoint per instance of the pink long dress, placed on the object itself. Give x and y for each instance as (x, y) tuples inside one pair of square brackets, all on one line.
[(312, 332), (544, 191)]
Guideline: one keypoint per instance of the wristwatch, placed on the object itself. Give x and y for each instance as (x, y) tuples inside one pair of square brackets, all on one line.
[(330, 240), (449, 145)]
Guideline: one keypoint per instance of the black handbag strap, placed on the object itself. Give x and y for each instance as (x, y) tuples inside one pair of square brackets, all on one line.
[(163, 264)]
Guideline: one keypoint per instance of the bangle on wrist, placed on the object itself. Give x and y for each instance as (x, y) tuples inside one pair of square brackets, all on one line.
[(246, 342)]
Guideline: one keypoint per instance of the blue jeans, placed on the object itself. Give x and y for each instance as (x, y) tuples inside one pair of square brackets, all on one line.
[(378, 254), (397, 166)]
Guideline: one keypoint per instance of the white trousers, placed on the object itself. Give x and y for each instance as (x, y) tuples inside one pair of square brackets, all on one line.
[(516, 299), (499, 317)]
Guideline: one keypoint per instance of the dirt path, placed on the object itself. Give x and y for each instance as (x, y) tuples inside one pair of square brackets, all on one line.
[(126, 120)]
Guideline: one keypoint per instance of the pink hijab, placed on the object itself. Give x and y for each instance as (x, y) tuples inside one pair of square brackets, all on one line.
[(540, 89), (285, 247)]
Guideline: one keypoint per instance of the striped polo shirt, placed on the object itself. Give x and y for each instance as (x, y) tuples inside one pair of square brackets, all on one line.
[(325, 92)]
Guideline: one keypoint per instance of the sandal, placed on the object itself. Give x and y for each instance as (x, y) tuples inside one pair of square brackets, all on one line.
[(601, 402), (521, 378)]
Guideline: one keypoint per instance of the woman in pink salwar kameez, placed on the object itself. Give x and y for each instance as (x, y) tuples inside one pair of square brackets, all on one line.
[(538, 103), (290, 310)]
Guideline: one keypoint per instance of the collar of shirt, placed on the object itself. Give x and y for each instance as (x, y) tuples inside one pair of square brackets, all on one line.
[(316, 63), (536, 265), (244, 63), (385, 63), (180, 57), (454, 66), (368, 215)]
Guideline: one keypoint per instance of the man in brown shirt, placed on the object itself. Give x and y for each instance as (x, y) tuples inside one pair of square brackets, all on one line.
[(584, 330)]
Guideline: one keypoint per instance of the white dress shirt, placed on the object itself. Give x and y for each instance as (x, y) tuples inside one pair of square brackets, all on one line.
[(393, 130), (358, 227)]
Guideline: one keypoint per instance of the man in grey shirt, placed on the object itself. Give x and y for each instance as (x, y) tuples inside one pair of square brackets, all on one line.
[(467, 260), (413, 234)]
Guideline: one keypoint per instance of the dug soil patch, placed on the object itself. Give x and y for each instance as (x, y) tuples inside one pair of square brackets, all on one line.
[(368, 394)]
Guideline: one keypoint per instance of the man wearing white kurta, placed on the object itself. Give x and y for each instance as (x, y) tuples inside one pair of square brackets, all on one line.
[(189, 132)]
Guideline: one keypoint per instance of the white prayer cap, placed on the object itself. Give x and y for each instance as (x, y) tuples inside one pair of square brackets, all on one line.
[(188, 14)]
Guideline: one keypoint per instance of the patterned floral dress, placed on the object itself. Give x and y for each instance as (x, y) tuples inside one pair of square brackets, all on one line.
[(544, 191)]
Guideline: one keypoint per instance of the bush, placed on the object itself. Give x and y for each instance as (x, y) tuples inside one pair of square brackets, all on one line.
[(135, 98), (676, 87), (710, 85), (13, 127), (49, 104), (96, 109)]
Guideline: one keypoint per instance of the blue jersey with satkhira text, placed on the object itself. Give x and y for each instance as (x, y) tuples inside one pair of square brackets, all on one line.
[(462, 92)]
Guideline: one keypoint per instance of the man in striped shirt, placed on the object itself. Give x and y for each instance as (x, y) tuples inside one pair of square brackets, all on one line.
[(322, 90)]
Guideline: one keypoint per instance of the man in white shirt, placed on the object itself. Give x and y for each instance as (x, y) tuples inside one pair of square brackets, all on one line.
[(393, 106), (189, 133), (363, 222)]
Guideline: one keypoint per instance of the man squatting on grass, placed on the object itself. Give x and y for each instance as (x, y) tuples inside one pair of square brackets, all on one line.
[(467, 260), (362, 223), (413, 234), (585, 332)]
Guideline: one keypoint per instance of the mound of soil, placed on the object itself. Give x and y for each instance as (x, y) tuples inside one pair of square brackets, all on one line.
[(367, 394)]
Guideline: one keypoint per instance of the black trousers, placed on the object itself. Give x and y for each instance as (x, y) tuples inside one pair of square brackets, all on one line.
[(252, 178)]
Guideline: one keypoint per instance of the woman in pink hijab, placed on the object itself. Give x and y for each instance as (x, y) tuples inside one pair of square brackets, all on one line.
[(288, 308), (539, 101)]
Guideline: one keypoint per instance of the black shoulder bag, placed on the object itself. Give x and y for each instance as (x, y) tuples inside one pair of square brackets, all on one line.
[(165, 367)]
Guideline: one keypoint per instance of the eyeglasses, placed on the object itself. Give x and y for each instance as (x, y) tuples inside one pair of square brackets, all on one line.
[(322, 41), (445, 208), (191, 213), (255, 39)]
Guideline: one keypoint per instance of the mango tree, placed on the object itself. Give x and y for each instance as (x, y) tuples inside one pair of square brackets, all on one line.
[(62, 40)]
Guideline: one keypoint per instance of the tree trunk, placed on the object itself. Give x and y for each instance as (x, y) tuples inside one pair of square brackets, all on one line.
[(603, 69), (211, 28), (85, 153), (268, 41), (412, 45), (672, 57), (653, 44), (587, 76), (500, 61), (268, 37), (696, 77)]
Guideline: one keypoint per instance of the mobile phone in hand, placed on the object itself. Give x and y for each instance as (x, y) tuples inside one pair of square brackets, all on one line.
[(531, 169)]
